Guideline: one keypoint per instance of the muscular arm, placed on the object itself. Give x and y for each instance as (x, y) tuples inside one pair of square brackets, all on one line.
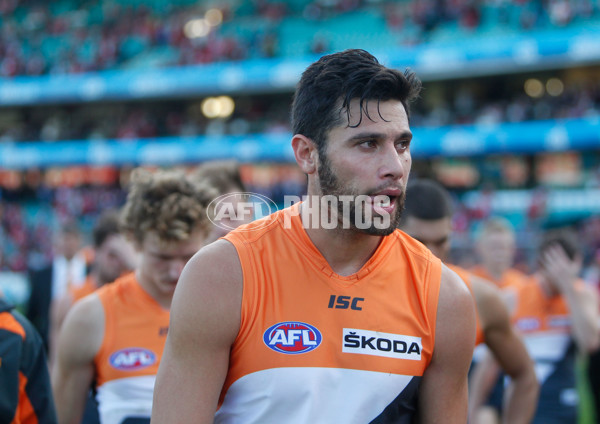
[(79, 340), (443, 393), (205, 319), (58, 312), (481, 383), (510, 352)]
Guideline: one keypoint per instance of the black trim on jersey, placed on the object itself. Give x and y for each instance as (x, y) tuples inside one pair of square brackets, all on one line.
[(403, 409)]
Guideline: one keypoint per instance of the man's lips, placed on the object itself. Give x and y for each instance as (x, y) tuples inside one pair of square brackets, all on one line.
[(385, 200), (390, 192)]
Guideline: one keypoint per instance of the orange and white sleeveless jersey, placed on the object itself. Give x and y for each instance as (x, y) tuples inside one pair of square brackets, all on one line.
[(88, 287), (127, 362), (466, 277), (508, 283), (545, 324), (317, 347)]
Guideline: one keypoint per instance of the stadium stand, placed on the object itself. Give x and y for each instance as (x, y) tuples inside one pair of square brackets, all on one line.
[(90, 88)]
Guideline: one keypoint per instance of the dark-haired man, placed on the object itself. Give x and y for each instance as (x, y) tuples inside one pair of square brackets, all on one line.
[(428, 218), (312, 314)]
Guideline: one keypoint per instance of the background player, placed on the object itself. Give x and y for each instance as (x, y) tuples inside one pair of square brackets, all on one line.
[(428, 218), (115, 336), (114, 255), (557, 315)]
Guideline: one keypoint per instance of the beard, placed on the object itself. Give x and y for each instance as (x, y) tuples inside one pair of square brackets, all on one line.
[(331, 185)]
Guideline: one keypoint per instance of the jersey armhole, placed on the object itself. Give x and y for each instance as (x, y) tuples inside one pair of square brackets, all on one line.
[(107, 337), (244, 252), (433, 279)]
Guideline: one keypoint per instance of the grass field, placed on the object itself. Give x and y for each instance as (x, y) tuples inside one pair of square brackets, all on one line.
[(586, 411)]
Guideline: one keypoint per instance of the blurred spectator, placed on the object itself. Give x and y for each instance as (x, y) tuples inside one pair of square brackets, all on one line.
[(67, 270)]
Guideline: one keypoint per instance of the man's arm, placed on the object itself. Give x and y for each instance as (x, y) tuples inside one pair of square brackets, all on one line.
[(79, 341), (443, 394), (484, 376), (582, 301), (205, 320), (520, 399), (58, 312)]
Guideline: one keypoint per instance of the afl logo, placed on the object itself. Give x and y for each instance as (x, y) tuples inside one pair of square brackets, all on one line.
[(230, 210), (132, 358), (292, 337)]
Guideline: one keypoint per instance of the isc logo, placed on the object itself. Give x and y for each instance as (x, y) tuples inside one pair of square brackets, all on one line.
[(132, 358), (345, 302), (292, 337)]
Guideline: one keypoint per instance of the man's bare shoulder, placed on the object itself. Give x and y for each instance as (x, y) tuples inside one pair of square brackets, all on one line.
[(456, 308), (492, 304), (221, 251), (484, 287), (453, 288), (83, 329), (87, 313), (209, 291), (217, 261), (486, 293)]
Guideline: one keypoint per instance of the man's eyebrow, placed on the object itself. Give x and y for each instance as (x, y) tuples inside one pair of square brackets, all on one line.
[(376, 135)]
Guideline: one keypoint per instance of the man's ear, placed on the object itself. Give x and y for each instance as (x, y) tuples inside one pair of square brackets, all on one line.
[(306, 153)]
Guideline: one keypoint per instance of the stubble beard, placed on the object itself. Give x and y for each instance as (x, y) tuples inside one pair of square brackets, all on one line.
[(331, 185)]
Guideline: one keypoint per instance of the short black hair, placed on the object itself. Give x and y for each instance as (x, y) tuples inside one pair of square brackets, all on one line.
[(327, 87), (565, 238), (427, 200), (108, 224)]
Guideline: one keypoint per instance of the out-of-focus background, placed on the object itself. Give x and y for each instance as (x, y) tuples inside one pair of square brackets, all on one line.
[(509, 118)]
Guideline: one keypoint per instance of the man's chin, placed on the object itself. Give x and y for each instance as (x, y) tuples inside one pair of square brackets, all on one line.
[(374, 231), (169, 287)]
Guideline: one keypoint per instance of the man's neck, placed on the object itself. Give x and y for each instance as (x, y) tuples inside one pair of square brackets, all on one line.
[(163, 300), (346, 251), (496, 274)]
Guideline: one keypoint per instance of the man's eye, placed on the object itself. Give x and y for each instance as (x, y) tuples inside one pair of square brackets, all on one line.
[(403, 145), (368, 143)]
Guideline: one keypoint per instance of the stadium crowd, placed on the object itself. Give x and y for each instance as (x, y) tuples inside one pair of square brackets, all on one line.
[(467, 103), (38, 37)]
